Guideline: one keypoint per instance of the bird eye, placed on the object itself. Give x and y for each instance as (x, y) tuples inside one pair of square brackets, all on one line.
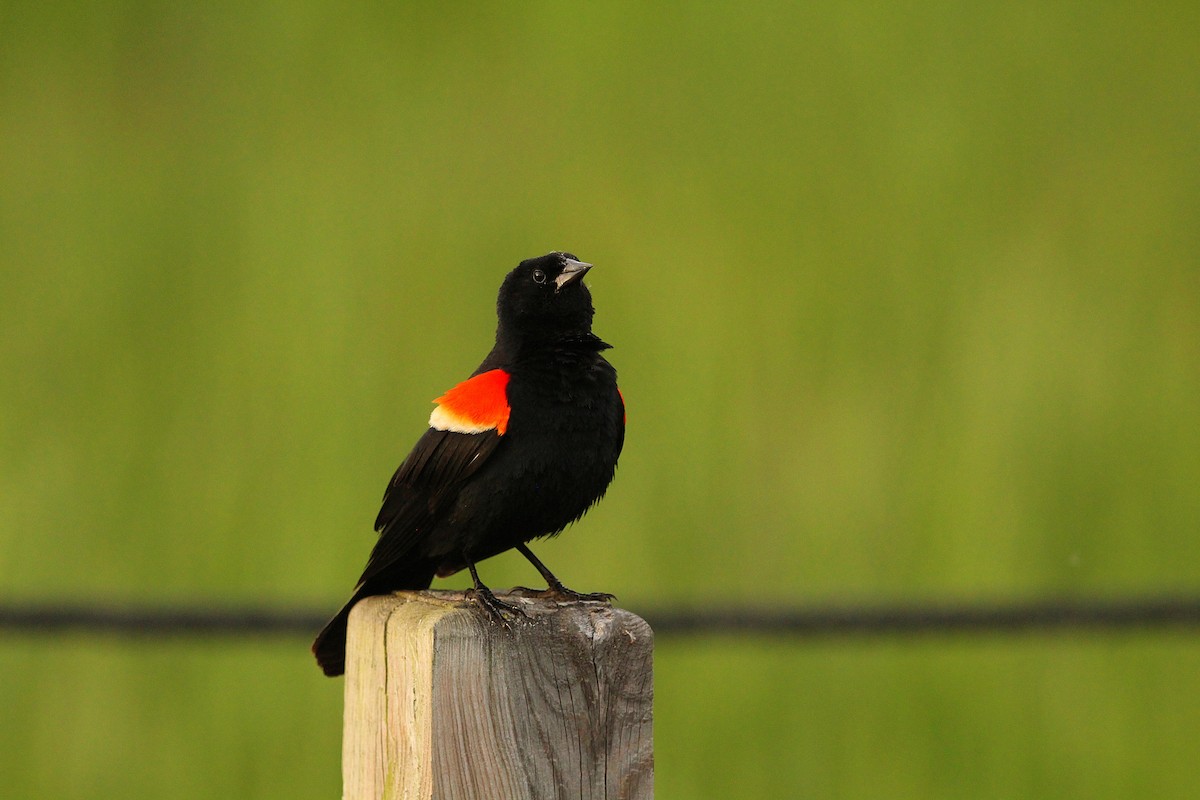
[(539, 276)]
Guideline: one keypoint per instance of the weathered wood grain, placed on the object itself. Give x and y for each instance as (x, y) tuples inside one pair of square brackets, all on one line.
[(442, 704)]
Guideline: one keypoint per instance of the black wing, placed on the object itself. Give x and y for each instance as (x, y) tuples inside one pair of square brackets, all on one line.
[(423, 489)]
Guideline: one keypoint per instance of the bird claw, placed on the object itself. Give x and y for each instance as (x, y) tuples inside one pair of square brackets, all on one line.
[(493, 607), (562, 594)]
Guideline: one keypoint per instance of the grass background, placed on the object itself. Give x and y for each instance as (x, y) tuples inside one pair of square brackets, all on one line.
[(906, 305)]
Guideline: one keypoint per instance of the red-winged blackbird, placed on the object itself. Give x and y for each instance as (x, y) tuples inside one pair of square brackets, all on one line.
[(519, 450)]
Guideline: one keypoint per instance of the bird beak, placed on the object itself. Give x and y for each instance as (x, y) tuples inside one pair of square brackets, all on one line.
[(572, 271)]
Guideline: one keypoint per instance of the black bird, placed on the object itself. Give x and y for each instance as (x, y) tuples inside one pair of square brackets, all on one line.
[(519, 450)]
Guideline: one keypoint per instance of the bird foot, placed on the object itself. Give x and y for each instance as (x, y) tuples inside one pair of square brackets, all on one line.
[(562, 594), (493, 607)]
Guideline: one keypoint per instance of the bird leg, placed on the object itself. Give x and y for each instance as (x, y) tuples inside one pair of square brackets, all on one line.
[(554, 587), (491, 605)]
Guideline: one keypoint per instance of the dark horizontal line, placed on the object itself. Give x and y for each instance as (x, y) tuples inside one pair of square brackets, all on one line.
[(1010, 617), (157, 621), (1146, 613)]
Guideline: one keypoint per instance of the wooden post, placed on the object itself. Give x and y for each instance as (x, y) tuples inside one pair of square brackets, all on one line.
[(442, 704)]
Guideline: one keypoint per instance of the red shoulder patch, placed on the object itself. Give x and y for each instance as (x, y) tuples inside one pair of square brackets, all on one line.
[(476, 405)]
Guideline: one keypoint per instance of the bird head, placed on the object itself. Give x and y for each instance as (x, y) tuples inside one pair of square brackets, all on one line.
[(546, 297)]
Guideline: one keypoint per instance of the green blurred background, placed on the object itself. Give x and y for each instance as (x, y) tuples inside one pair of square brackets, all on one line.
[(906, 306)]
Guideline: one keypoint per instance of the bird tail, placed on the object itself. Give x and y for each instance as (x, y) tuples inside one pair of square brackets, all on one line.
[(330, 645)]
